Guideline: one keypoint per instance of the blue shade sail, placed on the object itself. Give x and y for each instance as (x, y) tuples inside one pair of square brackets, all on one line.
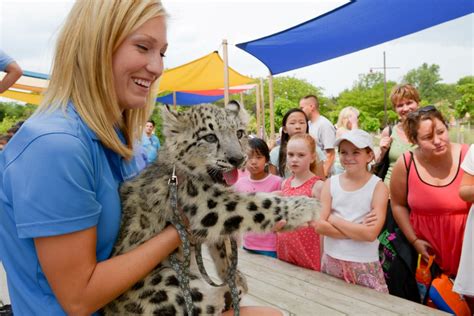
[(355, 26), (187, 99)]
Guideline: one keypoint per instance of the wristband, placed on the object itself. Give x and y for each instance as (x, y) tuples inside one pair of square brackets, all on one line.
[(413, 242)]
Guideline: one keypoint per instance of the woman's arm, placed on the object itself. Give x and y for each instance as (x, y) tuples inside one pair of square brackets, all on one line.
[(322, 226), (81, 284), (399, 203), (366, 232), (466, 190), (14, 72)]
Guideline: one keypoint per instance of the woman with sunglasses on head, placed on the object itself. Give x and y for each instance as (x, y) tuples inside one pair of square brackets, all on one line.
[(424, 190)]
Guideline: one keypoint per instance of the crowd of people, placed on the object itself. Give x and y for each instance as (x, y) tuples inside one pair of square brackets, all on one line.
[(56, 253), (422, 198)]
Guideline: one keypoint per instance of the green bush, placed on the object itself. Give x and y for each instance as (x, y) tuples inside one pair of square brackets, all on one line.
[(7, 123)]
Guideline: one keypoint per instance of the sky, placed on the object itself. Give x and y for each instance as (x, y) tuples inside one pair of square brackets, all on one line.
[(28, 30)]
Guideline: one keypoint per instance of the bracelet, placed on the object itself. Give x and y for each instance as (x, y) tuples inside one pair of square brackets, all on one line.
[(413, 242)]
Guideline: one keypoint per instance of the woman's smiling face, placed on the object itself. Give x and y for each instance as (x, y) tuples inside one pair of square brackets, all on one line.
[(138, 62)]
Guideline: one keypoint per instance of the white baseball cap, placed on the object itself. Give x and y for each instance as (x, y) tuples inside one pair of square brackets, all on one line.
[(360, 139)]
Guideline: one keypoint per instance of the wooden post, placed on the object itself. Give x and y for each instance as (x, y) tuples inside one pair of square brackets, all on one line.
[(272, 110), (262, 96), (226, 72), (242, 104), (174, 100), (257, 108)]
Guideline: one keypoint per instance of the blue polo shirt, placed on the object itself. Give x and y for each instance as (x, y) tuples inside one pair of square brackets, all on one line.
[(5, 60), (56, 178)]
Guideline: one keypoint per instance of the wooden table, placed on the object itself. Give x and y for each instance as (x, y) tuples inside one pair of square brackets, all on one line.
[(299, 291)]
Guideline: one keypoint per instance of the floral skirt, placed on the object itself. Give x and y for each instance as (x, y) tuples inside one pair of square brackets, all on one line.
[(368, 274)]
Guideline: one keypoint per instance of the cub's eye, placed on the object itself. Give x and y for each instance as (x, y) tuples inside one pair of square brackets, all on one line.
[(240, 133), (211, 138)]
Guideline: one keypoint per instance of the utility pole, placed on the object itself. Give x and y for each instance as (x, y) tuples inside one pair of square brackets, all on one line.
[(384, 86)]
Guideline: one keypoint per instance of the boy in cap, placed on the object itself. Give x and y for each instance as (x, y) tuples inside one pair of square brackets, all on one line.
[(354, 204)]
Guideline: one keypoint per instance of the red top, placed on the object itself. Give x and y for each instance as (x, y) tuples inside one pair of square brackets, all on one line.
[(438, 215), (304, 189), (302, 246)]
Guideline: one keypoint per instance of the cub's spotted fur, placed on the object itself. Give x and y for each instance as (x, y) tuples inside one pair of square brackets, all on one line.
[(203, 143)]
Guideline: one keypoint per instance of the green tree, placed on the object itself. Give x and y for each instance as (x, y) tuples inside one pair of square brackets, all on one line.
[(368, 81), (11, 113), (281, 106), (367, 95), (156, 117), (465, 103), (286, 88), (426, 78)]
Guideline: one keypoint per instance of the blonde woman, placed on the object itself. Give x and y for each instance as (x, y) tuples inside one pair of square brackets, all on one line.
[(59, 201), (348, 120)]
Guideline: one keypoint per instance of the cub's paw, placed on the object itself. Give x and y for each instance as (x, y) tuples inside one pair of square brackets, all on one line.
[(302, 210)]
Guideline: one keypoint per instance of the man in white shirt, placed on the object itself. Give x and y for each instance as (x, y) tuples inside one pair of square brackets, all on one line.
[(321, 129)]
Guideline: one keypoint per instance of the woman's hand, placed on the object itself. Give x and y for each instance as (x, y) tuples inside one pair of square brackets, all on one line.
[(422, 246), (354, 120), (385, 143)]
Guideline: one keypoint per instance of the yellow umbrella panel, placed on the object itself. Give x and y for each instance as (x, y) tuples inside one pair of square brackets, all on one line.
[(27, 89), (205, 73), (32, 98)]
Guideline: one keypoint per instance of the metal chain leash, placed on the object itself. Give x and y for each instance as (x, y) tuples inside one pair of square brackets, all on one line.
[(182, 267)]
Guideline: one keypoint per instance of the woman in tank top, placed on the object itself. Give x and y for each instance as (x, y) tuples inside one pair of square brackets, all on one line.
[(405, 99), (424, 190)]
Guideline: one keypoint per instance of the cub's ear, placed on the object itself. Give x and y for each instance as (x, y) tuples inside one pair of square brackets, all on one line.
[(239, 111), (233, 106), (171, 122)]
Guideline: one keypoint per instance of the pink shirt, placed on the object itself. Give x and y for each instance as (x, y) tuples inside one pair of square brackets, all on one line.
[(259, 241)]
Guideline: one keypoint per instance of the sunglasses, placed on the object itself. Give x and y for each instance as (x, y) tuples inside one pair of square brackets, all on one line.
[(421, 111)]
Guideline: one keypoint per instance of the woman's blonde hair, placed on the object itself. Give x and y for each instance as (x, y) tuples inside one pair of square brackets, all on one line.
[(312, 149), (343, 119), (82, 68)]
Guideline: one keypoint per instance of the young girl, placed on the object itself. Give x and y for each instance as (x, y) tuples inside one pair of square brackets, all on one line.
[(294, 122), (301, 247), (257, 179), (353, 212)]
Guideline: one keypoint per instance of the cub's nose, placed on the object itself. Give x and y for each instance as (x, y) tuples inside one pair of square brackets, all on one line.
[(236, 161)]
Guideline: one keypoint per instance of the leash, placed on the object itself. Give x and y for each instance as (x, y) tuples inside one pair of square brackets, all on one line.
[(230, 275), (182, 267)]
